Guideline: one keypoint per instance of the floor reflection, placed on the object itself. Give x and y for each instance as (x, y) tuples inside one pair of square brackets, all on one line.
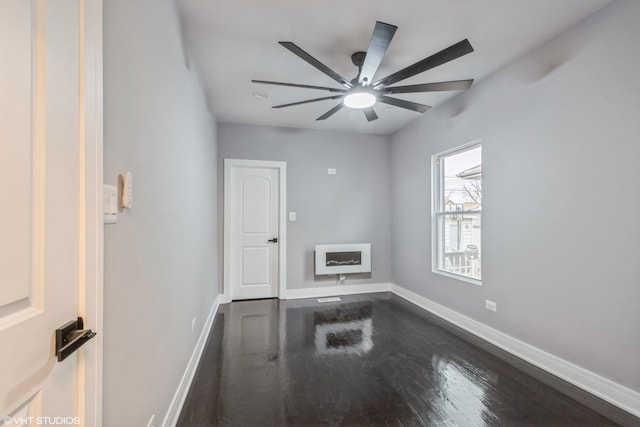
[(343, 330), (461, 393), (369, 360)]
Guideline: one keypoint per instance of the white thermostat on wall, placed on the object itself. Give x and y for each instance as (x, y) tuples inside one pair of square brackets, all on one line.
[(127, 190)]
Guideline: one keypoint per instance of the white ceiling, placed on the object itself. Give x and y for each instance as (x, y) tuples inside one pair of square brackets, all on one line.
[(235, 41)]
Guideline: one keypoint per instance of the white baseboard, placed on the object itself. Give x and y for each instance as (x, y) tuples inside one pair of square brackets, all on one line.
[(171, 417), (612, 392), (329, 291)]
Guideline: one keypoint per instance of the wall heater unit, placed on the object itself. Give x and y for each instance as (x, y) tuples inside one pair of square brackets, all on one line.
[(343, 259)]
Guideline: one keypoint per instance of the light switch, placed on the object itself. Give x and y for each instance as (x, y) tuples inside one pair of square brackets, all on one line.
[(110, 204), (292, 216), (331, 171)]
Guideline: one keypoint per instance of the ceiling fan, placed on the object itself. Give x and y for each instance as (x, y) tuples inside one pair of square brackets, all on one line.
[(363, 92)]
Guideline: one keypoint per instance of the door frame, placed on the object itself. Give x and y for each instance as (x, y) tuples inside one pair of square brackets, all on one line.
[(229, 164), (90, 212)]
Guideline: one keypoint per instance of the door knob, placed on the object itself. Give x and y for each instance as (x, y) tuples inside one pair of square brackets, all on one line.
[(274, 240)]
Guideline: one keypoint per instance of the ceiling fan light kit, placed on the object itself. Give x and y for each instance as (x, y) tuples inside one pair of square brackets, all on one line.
[(361, 93), (359, 99)]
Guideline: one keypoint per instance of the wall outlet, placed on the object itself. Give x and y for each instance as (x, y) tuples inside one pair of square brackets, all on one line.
[(490, 305), (193, 325), (152, 421)]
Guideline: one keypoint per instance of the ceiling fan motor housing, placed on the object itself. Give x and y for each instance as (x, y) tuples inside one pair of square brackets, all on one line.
[(358, 58)]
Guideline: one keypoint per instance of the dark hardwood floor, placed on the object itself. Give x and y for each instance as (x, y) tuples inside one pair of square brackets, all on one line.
[(369, 360)]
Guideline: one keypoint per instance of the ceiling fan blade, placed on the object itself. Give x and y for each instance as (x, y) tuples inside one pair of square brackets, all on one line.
[(413, 106), (449, 54), (380, 39), (370, 114), (319, 65), (331, 112), (430, 87), (308, 101), (330, 89)]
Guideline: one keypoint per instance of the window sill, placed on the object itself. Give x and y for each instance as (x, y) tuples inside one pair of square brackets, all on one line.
[(457, 277)]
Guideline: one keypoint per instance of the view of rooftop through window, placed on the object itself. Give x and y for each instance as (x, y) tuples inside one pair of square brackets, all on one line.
[(463, 180)]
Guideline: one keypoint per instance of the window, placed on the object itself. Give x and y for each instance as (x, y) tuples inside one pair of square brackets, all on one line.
[(457, 212)]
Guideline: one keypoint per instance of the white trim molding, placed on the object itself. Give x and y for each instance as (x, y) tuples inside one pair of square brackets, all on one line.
[(173, 413), (91, 243), (614, 393), (282, 222), (328, 291)]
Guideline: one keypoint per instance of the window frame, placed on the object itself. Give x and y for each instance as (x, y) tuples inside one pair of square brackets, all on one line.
[(438, 211)]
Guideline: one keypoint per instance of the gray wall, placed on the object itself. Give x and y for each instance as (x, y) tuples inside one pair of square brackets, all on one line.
[(560, 223), (349, 207), (160, 259)]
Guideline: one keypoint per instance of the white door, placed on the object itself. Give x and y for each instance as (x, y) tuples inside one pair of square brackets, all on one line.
[(254, 226), (43, 206)]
